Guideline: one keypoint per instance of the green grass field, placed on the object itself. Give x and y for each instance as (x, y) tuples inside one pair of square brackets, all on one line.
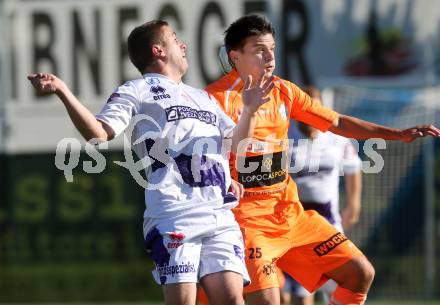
[(437, 302)]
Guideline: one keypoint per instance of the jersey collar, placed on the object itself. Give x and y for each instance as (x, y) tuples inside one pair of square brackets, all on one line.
[(158, 76), (234, 74)]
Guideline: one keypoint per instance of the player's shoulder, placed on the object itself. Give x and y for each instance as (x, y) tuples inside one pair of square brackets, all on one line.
[(196, 92), (283, 82), (129, 85), (227, 82), (286, 86), (127, 91), (133, 86)]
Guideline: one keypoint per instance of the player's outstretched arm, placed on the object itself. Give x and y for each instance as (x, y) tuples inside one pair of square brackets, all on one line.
[(82, 118), (253, 95), (351, 127)]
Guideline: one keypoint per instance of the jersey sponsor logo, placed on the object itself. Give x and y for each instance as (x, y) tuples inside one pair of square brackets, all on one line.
[(263, 193), (152, 80), (263, 179), (176, 236), (269, 269), (159, 93), (176, 240), (330, 244), (174, 245), (175, 113), (268, 172), (165, 269), (157, 90)]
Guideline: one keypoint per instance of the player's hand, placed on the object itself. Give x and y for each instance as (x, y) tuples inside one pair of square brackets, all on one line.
[(410, 134), (45, 83), (236, 188), (349, 217), (255, 95)]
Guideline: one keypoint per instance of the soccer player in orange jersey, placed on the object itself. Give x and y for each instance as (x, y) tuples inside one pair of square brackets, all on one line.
[(276, 229)]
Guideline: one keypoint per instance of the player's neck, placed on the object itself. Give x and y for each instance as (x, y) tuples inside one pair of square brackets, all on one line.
[(165, 71)]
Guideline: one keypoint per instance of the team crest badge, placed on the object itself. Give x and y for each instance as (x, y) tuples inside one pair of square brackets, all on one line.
[(152, 80), (283, 111)]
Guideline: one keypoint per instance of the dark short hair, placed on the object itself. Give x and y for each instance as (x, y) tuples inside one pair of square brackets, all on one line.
[(140, 41), (244, 27)]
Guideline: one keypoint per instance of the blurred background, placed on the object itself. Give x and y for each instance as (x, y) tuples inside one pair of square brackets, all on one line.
[(82, 241)]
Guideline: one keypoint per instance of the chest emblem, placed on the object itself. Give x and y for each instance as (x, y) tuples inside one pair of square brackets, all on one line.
[(152, 80), (283, 111)]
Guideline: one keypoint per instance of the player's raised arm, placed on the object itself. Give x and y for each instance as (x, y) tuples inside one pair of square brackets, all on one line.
[(254, 95), (355, 128), (82, 118)]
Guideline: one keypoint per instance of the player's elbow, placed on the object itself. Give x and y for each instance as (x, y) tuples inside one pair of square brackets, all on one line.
[(98, 135)]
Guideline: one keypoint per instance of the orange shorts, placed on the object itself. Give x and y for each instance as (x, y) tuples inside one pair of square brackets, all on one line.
[(303, 244)]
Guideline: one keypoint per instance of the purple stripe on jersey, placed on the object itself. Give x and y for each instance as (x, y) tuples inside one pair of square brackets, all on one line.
[(324, 209), (156, 164), (214, 175), (229, 197), (159, 253)]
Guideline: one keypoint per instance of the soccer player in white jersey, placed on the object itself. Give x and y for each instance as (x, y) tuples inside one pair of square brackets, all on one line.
[(322, 158), (188, 225)]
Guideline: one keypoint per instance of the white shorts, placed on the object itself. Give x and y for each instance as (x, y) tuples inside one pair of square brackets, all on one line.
[(188, 247)]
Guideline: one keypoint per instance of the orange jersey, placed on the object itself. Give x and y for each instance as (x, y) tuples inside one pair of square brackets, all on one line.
[(263, 170)]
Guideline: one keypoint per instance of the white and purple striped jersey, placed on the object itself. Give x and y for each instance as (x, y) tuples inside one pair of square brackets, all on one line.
[(177, 132), (319, 164)]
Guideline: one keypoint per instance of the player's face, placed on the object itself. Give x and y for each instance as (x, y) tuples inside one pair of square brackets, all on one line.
[(175, 49), (256, 56)]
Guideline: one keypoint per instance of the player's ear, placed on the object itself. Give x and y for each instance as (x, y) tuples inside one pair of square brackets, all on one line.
[(233, 56), (157, 50)]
